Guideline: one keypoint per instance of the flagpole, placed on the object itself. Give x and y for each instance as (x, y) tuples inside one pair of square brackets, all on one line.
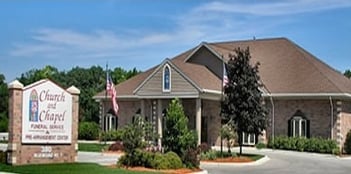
[(104, 120)]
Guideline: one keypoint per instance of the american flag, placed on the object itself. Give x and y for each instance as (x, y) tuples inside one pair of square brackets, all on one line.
[(225, 76), (111, 90)]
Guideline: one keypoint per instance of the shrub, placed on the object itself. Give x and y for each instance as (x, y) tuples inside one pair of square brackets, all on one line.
[(347, 144), (319, 145), (177, 137), (209, 155), (260, 145), (174, 160), (213, 154), (88, 130), (117, 146), (3, 158), (204, 147), (191, 158), (113, 135), (156, 160), (160, 161), (4, 122)]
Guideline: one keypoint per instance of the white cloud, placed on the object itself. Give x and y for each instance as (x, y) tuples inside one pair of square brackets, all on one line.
[(273, 8), (210, 21)]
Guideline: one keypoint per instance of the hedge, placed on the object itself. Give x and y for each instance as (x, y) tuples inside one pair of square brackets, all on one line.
[(318, 145), (88, 131), (347, 145), (157, 160)]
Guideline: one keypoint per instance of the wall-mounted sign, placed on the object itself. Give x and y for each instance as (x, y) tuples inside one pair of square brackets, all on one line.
[(46, 114)]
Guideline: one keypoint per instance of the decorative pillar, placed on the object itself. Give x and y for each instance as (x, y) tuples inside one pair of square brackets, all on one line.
[(338, 124), (110, 125), (198, 120), (101, 115), (75, 118), (15, 121), (159, 121)]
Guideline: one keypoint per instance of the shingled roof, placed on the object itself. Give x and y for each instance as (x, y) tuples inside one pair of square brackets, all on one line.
[(285, 69)]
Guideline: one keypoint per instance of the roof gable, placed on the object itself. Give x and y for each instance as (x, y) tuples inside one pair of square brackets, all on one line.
[(180, 83)]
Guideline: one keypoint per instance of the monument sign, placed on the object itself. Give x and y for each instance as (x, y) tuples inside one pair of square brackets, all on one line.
[(43, 126)]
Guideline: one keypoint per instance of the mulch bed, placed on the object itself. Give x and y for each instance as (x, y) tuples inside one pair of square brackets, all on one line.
[(169, 171), (231, 160)]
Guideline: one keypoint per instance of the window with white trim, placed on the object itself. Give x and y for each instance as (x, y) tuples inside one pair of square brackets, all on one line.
[(299, 125), (249, 139), (166, 80)]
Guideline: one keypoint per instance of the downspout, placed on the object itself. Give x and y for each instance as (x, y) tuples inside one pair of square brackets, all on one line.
[(272, 102), (331, 118)]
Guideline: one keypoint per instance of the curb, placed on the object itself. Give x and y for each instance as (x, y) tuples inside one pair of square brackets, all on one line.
[(201, 172), (255, 163)]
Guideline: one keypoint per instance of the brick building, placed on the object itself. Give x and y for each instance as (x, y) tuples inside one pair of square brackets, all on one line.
[(304, 96)]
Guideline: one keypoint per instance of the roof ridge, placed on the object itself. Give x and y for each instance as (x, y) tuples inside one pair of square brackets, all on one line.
[(302, 51), (247, 40)]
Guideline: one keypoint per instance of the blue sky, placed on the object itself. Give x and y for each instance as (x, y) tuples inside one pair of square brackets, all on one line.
[(142, 33)]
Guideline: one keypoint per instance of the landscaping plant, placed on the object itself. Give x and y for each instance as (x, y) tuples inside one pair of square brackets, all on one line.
[(178, 138), (88, 131), (347, 145)]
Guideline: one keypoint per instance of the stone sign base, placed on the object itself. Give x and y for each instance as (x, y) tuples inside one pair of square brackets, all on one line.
[(20, 153)]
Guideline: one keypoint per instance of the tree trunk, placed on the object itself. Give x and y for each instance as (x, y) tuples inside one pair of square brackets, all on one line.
[(240, 143)]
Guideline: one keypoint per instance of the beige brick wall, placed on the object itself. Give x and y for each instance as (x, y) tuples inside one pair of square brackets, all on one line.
[(127, 109), (345, 120), (317, 111), (211, 110)]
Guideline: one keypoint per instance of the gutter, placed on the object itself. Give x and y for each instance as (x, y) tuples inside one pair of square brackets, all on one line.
[(304, 95), (273, 115)]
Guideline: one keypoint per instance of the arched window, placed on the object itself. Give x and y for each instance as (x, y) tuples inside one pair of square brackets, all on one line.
[(166, 79), (299, 126)]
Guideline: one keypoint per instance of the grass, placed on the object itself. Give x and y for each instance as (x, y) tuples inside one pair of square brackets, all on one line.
[(254, 157), (69, 168), (92, 147), (212, 154)]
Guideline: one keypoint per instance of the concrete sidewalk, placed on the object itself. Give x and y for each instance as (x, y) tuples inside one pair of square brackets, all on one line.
[(98, 157)]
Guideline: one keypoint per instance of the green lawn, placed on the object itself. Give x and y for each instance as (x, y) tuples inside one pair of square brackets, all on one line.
[(254, 157), (92, 147), (68, 168)]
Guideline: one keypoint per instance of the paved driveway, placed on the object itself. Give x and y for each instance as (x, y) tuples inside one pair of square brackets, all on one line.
[(286, 162), (281, 162)]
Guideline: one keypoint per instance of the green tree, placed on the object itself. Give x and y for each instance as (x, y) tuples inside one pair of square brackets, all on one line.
[(119, 74), (177, 137), (89, 80), (228, 134), (347, 73), (4, 96), (242, 107), (34, 75)]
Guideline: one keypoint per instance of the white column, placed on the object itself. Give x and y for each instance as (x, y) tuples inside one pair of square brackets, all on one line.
[(198, 119), (110, 118), (159, 121), (106, 122)]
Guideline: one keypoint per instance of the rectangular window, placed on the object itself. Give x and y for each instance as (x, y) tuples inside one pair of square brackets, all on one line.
[(249, 139), (298, 127)]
